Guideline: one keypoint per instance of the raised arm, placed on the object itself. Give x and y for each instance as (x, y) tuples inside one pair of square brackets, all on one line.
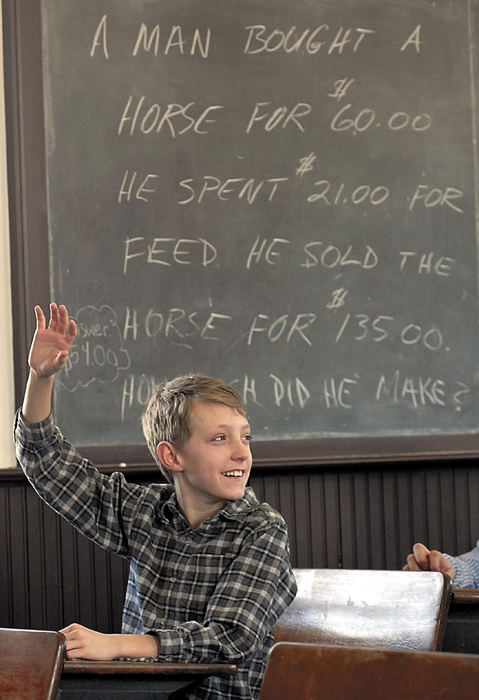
[(48, 354)]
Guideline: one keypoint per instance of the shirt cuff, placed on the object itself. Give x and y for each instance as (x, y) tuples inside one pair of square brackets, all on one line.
[(32, 433), (464, 576), (190, 642)]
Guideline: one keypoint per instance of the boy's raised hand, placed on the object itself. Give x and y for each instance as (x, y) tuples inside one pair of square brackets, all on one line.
[(50, 345)]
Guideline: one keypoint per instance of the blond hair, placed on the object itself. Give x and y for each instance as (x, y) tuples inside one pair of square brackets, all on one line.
[(167, 415)]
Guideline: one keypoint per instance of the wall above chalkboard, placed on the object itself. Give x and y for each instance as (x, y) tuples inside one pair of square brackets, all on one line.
[(281, 193)]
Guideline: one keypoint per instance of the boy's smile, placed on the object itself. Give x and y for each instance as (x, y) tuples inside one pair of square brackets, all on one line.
[(214, 464)]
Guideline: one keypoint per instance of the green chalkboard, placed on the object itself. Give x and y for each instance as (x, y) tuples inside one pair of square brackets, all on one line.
[(279, 192)]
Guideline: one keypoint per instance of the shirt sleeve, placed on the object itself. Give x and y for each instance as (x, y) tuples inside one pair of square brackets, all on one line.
[(95, 504), (466, 567), (250, 596)]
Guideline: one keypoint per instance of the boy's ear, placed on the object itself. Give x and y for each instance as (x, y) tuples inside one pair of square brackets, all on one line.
[(168, 456)]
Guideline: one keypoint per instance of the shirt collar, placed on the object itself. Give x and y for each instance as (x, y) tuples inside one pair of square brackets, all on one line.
[(169, 512), (242, 506)]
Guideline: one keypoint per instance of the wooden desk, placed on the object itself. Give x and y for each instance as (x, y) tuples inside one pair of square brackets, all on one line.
[(462, 628), (308, 671), (123, 680), (368, 608)]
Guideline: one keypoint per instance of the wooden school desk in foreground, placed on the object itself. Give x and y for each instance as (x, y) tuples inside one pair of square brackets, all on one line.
[(123, 680), (30, 664), (310, 671)]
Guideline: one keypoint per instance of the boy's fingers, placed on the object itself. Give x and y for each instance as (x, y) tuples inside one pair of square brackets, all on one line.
[(66, 326), (72, 331), (52, 323), (40, 318), (62, 319), (60, 359), (58, 321)]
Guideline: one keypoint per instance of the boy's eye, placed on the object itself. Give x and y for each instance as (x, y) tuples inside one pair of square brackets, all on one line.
[(247, 438), (219, 438)]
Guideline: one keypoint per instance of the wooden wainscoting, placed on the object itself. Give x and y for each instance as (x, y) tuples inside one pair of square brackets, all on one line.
[(356, 517)]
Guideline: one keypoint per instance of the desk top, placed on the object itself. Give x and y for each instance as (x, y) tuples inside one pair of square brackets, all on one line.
[(465, 595), (147, 668)]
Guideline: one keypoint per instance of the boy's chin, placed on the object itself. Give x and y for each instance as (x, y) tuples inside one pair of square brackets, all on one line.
[(236, 493)]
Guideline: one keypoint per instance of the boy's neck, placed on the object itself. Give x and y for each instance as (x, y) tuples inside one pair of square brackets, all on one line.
[(197, 512)]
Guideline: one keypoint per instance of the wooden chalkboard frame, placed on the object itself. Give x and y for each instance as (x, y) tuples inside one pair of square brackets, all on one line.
[(30, 266)]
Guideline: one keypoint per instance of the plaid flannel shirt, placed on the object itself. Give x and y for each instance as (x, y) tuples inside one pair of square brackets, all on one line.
[(210, 595)]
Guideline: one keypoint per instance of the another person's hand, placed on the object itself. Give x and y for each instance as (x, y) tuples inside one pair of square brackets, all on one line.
[(50, 345), (423, 559)]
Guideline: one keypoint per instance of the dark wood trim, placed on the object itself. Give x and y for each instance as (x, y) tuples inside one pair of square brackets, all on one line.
[(114, 680), (152, 668), (109, 460), (320, 452), (26, 173), (465, 596)]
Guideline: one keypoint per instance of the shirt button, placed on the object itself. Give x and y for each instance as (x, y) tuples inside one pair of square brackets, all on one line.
[(172, 579)]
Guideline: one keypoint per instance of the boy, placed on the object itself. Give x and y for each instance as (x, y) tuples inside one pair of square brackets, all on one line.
[(209, 565)]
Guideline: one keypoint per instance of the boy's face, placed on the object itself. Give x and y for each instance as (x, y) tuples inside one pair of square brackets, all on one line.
[(216, 459)]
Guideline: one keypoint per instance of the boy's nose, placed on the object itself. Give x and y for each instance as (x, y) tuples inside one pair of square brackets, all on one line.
[(241, 450)]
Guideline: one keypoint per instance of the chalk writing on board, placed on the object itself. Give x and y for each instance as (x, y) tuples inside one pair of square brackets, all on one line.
[(259, 39), (98, 353), (282, 194), (336, 393)]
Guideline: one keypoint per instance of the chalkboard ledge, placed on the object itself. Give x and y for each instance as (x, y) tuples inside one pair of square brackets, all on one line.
[(315, 452)]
